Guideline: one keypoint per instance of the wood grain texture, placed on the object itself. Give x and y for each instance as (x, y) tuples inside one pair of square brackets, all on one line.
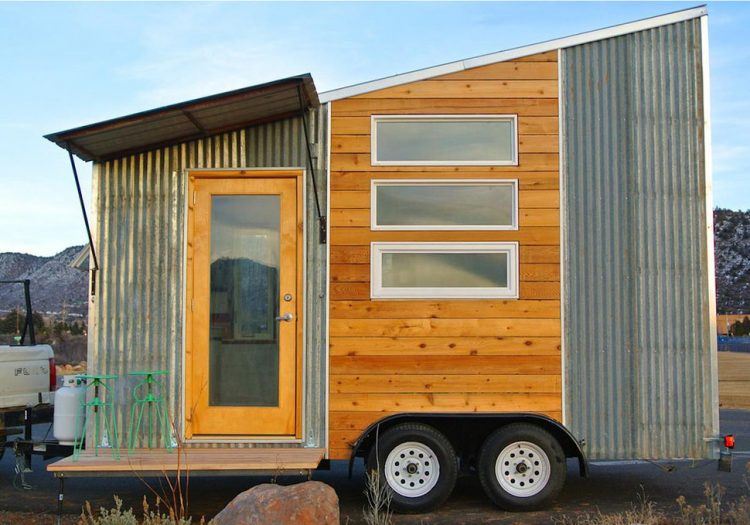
[(360, 420), (350, 199), (391, 356), (538, 143), (467, 402), (217, 460), (451, 346), (549, 56), (531, 235), (362, 107), (439, 364), (362, 162), (507, 71), (446, 88), (444, 383), (361, 181), (539, 290), (445, 309), (522, 327), (360, 217), (539, 199), (349, 291)]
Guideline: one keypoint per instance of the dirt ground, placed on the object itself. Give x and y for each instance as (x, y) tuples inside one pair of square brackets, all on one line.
[(611, 488)]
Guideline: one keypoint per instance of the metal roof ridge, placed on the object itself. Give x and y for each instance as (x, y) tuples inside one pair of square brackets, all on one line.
[(517, 52)]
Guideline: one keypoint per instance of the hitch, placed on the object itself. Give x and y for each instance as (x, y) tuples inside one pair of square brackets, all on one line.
[(725, 461)]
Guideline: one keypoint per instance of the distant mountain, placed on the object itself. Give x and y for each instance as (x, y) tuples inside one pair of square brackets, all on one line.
[(54, 284), (732, 236)]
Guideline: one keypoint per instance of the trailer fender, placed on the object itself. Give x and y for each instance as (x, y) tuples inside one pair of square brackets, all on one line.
[(442, 421)]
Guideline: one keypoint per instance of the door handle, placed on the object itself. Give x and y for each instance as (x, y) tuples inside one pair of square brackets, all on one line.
[(286, 317)]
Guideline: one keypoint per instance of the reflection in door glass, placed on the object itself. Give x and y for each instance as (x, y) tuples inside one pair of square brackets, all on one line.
[(244, 341)]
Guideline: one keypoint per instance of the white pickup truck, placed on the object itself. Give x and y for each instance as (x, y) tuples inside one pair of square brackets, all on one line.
[(27, 380), (27, 376)]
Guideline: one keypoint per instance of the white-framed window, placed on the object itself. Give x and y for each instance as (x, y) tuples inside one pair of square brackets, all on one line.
[(444, 140), (444, 204), (435, 270)]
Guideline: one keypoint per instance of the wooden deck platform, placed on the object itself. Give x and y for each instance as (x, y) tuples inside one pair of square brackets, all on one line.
[(195, 461)]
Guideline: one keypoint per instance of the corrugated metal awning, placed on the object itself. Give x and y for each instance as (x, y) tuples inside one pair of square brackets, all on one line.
[(189, 120)]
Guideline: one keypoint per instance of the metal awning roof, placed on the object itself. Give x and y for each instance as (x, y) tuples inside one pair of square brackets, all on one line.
[(189, 120)]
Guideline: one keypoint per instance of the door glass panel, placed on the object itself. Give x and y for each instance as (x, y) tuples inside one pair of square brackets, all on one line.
[(244, 339)]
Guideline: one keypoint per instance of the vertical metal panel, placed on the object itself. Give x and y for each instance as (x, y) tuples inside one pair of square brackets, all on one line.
[(140, 206), (639, 379)]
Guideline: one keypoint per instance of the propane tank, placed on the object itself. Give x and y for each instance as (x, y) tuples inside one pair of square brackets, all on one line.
[(69, 410)]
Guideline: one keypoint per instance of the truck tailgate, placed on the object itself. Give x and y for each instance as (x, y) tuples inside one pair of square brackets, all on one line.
[(25, 375)]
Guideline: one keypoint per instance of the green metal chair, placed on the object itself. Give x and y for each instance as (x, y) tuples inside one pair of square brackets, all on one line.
[(148, 398), (99, 408)]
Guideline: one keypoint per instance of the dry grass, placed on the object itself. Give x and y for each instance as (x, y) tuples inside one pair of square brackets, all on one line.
[(378, 509), (643, 512), (714, 510), (118, 516)]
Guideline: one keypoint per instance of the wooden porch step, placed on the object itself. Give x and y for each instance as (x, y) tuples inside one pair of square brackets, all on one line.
[(193, 461)]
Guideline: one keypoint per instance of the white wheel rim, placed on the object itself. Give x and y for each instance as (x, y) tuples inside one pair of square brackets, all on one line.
[(412, 469), (522, 469)]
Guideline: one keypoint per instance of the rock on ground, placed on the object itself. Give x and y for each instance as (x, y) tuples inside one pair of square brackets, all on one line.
[(308, 503)]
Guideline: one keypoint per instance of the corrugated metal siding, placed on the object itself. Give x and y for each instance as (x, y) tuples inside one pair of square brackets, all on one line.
[(639, 376), (137, 313)]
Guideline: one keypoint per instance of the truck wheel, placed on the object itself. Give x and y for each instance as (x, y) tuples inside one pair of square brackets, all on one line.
[(418, 465), (521, 467)]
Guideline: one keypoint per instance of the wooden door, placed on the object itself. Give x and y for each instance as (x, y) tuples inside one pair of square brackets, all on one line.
[(244, 286)]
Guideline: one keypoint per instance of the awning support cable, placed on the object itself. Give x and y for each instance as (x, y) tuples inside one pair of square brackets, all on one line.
[(321, 218), (86, 221)]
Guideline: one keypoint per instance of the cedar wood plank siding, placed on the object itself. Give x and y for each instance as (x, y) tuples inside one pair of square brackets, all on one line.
[(389, 356)]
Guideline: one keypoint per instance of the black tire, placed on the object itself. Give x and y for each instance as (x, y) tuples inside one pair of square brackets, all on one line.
[(522, 472), (424, 436)]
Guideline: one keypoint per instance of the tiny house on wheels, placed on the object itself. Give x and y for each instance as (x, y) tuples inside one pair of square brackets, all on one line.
[(488, 266)]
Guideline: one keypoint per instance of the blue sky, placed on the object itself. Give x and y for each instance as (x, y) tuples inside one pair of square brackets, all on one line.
[(68, 64)]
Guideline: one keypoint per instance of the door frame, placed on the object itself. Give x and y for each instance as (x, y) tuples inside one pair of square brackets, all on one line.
[(245, 173)]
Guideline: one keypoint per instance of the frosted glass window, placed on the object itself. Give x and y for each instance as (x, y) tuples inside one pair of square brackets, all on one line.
[(444, 140), (434, 270), (445, 270), (444, 205)]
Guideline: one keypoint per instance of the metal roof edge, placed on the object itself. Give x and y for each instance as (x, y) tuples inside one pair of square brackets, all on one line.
[(517, 52), (304, 79)]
